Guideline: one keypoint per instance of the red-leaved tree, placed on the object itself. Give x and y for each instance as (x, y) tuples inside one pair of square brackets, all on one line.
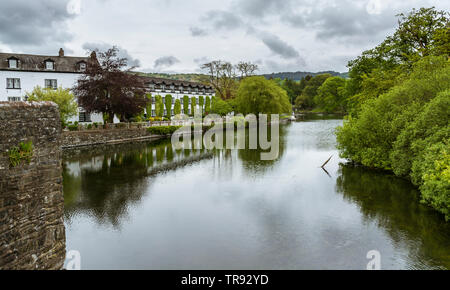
[(109, 87)]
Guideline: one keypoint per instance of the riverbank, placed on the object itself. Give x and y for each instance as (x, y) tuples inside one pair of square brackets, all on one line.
[(117, 135)]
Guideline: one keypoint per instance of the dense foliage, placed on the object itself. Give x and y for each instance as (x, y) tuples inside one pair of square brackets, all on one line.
[(220, 107), (186, 105), (107, 87), (168, 103), (207, 105), (163, 130), (177, 107), (159, 106), (258, 95), (400, 106), (65, 100)]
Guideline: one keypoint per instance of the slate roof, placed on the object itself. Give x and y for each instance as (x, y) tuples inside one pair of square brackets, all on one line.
[(176, 83), (36, 63)]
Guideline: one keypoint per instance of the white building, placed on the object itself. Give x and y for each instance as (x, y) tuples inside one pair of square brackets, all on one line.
[(177, 89), (21, 73)]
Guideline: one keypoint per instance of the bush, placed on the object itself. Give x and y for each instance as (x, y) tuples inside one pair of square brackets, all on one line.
[(186, 105), (163, 130), (72, 127), (433, 169), (406, 130)]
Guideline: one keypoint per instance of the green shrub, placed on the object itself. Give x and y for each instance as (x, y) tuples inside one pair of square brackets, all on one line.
[(186, 105), (177, 107), (193, 105), (163, 130), (168, 103), (73, 127), (18, 154), (433, 169)]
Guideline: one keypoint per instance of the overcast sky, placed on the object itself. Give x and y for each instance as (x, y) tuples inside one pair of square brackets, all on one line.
[(180, 35)]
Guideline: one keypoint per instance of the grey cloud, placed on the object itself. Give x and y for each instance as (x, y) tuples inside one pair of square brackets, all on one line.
[(196, 31), (165, 61), (201, 60), (220, 19), (261, 8), (278, 46), (34, 23), (283, 66), (123, 53)]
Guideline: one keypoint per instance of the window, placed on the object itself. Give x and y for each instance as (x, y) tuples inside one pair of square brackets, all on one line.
[(13, 83), (153, 100), (14, 99), (51, 84), (153, 113), (84, 117), (50, 65), (82, 66), (12, 63)]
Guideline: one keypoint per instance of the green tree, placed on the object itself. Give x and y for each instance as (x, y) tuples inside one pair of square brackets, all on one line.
[(207, 105), (177, 107), (258, 95), (193, 105), (220, 107), (305, 100), (331, 95), (149, 105), (62, 97), (201, 101), (159, 106), (186, 105), (168, 102)]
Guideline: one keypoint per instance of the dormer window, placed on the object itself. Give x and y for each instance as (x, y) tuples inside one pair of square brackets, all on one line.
[(82, 66), (13, 63), (49, 65)]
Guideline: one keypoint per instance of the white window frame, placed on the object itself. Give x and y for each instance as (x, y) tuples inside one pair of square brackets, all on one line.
[(83, 66), (14, 99), (47, 63), (51, 84), (11, 61), (13, 84)]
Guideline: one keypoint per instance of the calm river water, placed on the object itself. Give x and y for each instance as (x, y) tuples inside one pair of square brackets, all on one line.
[(148, 206)]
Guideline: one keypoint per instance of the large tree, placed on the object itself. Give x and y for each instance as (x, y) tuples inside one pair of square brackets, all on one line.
[(246, 69), (108, 86), (222, 77), (257, 95)]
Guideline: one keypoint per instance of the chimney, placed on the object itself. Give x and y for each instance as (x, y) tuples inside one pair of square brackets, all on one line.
[(61, 52)]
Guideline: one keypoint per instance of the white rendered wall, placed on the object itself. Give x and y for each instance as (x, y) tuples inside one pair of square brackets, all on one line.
[(29, 80)]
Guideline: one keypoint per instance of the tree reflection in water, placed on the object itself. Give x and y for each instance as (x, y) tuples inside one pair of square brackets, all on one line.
[(395, 205)]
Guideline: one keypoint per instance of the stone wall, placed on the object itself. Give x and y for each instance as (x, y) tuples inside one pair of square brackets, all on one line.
[(109, 136), (32, 234)]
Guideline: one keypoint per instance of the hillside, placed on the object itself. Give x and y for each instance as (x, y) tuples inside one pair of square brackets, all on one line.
[(202, 78), (296, 76)]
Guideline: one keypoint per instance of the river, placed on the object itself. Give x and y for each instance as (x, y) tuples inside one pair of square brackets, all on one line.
[(148, 206)]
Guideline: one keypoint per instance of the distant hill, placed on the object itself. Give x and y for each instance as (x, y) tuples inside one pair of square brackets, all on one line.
[(296, 76), (200, 78)]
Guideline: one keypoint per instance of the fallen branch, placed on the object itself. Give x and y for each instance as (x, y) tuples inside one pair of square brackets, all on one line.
[(326, 162)]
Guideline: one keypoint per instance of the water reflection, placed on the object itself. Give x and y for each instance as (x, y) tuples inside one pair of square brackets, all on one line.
[(149, 206), (395, 205), (107, 181)]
